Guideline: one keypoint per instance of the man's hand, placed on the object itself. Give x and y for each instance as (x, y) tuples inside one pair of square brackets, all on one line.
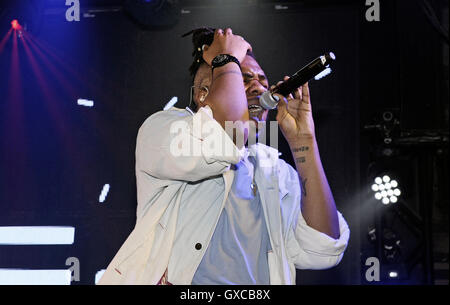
[(226, 43), (295, 116), (296, 121)]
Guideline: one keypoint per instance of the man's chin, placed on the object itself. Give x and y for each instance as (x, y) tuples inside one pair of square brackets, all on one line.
[(254, 129), (259, 117), (255, 120)]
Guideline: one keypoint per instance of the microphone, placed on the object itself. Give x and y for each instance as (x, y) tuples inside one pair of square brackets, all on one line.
[(269, 101)]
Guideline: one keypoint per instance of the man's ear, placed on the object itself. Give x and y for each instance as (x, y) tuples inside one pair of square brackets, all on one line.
[(199, 97)]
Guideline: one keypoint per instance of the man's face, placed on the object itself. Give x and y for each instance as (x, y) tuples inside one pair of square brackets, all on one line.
[(255, 83)]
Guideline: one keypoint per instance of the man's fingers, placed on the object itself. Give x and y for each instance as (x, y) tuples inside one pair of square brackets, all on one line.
[(228, 31), (250, 47), (305, 93), (301, 93), (298, 93), (281, 107), (218, 32)]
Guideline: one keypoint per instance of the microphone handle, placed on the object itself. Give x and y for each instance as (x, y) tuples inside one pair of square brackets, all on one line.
[(303, 75), (270, 101)]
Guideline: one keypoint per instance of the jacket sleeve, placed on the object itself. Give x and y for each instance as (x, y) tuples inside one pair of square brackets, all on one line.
[(307, 247), (178, 145), (311, 249)]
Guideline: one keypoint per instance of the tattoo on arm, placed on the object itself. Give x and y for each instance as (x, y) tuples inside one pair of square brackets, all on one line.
[(303, 186), (300, 160), (226, 72), (302, 148)]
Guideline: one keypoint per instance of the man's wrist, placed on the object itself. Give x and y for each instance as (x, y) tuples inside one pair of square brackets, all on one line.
[(225, 70), (224, 59), (302, 141), (303, 150)]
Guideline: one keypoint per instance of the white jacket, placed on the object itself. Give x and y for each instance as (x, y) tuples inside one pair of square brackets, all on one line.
[(181, 198)]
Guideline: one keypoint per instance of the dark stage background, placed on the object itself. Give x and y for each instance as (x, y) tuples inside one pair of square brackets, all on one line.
[(55, 155)]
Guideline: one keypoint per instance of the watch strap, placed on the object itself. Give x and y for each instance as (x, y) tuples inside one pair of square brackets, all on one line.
[(223, 59)]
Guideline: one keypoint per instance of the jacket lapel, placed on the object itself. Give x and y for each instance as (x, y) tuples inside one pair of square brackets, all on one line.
[(266, 178)]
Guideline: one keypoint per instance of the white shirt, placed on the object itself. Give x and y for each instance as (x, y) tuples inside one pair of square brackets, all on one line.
[(237, 252), (180, 199)]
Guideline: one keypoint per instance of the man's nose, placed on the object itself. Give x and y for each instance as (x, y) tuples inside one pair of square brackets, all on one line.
[(256, 88)]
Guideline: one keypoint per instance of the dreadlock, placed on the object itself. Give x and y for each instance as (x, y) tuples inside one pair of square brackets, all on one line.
[(200, 37)]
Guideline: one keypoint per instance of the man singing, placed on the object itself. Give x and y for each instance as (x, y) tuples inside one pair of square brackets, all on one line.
[(245, 217)]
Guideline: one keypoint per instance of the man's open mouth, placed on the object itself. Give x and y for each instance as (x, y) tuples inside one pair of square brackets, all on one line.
[(255, 109)]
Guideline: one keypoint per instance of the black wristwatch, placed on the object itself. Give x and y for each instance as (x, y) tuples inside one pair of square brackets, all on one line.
[(223, 59)]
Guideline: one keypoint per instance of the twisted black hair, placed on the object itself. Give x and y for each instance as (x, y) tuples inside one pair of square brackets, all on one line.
[(200, 37)]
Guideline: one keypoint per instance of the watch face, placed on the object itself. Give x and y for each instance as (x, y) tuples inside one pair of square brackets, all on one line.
[(219, 58)]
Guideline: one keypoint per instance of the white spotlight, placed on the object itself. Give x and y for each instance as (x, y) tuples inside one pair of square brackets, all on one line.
[(323, 73), (37, 235), (104, 193), (171, 103), (385, 189), (393, 274), (35, 277), (99, 275), (84, 102)]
